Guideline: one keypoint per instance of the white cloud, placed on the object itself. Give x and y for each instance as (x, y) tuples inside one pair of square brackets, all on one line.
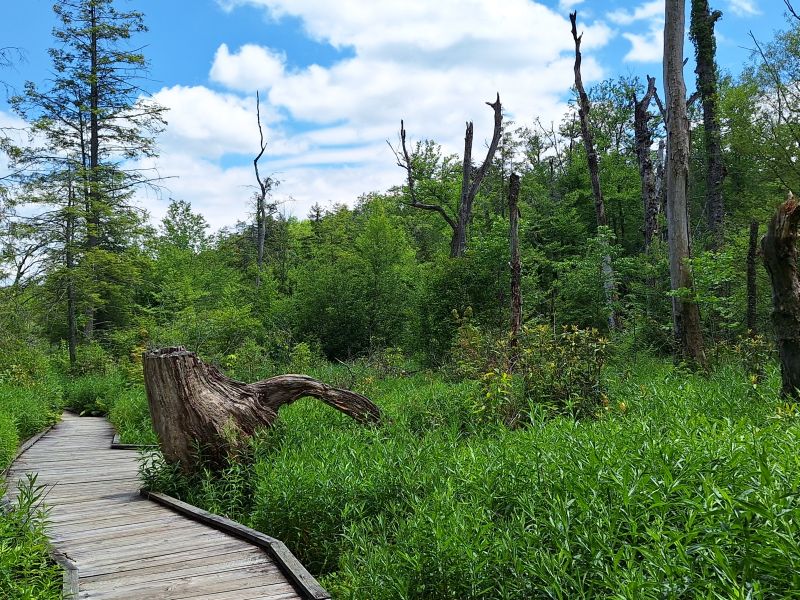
[(644, 12), (433, 64), (249, 69), (565, 5), (647, 47), (744, 8)]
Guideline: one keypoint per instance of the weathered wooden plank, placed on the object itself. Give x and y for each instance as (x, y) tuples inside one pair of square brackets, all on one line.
[(119, 545)]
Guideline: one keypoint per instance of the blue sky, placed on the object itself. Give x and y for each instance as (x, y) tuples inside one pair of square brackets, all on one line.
[(336, 77)]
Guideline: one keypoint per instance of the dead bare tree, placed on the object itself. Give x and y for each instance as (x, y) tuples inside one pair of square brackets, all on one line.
[(471, 179), (584, 110), (516, 269), (265, 185), (194, 405), (685, 312), (644, 142), (751, 278)]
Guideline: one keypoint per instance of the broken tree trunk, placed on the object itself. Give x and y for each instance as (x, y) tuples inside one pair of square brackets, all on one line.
[(516, 269), (644, 143), (780, 259), (194, 405), (584, 109), (752, 250)]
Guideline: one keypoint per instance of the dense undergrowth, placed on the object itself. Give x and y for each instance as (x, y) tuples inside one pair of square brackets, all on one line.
[(30, 401), (686, 486)]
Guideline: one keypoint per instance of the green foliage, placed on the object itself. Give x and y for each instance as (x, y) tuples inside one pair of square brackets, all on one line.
[(93, 394), (756, 354), (26, 570), (684, 486), (9, 439), (130, 416)]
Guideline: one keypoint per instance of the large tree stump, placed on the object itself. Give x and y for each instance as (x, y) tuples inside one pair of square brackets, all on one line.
[(193, 404), (780, 258)]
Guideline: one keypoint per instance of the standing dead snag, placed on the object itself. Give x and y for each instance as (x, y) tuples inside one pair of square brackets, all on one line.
[(685, 312), (780, 259), (265, 185), (584, 108), (644, 143), (194, 403), (516, 269), (470, 181)]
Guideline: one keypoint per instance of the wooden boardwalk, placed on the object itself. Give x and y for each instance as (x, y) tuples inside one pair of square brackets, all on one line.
[(125, 546)]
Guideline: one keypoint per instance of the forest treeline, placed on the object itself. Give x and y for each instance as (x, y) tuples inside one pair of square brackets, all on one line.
[(83, 265)]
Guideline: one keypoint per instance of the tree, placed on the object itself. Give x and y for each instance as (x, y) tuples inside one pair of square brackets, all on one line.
[(471, 179), (265, 185), (594, 171), (701, 32), (184, 229), (685, 313), (644, 143), (780, 259), (94, 118)]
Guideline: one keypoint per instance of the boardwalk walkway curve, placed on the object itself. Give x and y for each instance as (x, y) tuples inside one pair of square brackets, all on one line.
[(125, 546)]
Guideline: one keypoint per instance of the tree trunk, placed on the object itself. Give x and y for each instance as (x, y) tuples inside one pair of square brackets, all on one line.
[(661, 187), (69, 257), (93, 210), (751, 279), (702, 34), (594, 173), (780, 259), (644, 143), (471, 180), (193, 404), (685, 313), (516, 269)]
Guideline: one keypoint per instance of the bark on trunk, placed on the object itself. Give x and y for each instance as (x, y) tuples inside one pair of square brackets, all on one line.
[(751, 279), (644, 143), (780, 258), (193, 404), (471, 180), (685, 313), (69, 256), (661, 188), (702, 34), (93, 210), (516, 269), (584, 108)]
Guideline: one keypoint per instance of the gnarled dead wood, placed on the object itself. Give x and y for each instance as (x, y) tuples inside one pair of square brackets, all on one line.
[(193, 403), (779, 250)]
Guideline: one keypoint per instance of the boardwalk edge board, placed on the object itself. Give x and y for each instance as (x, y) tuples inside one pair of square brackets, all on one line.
[(306, 584), (117, 445)]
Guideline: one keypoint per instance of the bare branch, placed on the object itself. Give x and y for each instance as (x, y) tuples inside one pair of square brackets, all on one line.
[(404, 161)]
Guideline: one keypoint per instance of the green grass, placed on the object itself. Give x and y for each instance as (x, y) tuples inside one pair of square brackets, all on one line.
[(28, 404), (26, 570), (130, 416), (689, 490)]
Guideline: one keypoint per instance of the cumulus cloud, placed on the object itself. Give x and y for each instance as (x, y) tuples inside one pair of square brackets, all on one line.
[(644, 12), (646, 47), (744, 8), (433, 64)]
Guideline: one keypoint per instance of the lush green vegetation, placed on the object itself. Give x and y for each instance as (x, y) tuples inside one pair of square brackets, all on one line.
[(600, 465), (683, 488), (30, 401), (26, 570)]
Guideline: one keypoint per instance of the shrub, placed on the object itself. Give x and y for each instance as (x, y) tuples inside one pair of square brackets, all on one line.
[(26, 570), (130, 416), (9, 440), (93, 394)]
